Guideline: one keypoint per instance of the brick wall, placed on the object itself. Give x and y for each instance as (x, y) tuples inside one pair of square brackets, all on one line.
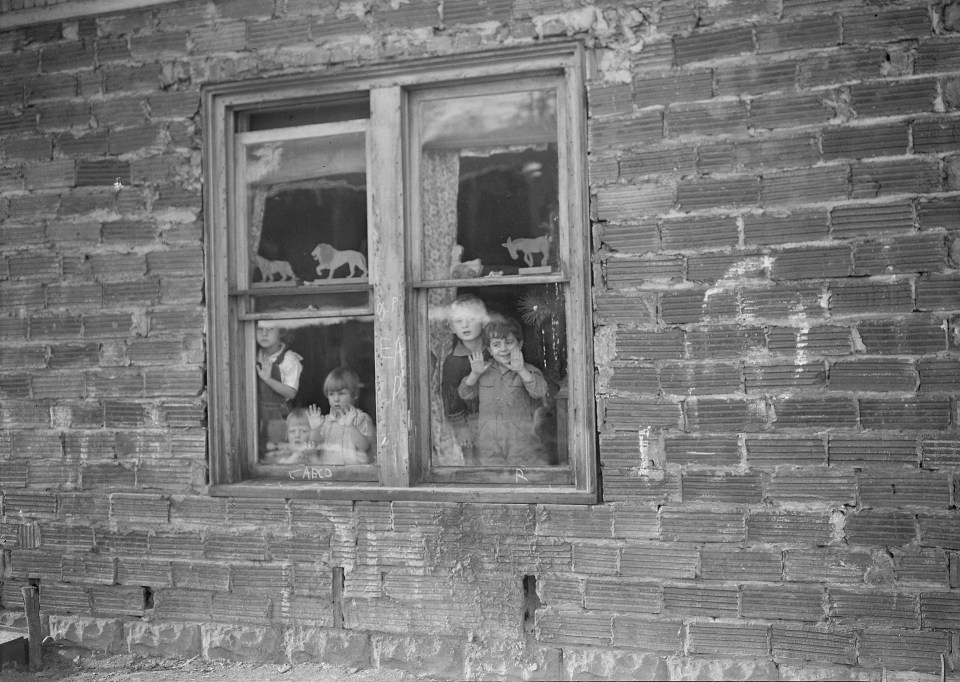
[(775, 193)]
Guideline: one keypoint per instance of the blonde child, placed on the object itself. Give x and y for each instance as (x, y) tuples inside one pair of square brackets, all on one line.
[(509, 392), (299, 447), (467, 316), (347, 434), (278, 381)]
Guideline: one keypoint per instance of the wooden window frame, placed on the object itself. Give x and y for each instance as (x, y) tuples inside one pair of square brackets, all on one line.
[(401, 459)]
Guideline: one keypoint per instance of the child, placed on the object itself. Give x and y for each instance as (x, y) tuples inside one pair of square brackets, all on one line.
[(346, 435), (467, 315), (299, 448), (509, 392), (278, 372)]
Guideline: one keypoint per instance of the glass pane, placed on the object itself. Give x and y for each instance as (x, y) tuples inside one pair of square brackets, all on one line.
[(315, 392), (306, 204), (498, 389), (488, 176)]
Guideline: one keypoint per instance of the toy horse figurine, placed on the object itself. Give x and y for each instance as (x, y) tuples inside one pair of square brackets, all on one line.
[(529, 246)]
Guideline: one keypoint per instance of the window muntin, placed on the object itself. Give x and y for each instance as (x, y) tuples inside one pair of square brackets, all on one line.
[(533, 138)]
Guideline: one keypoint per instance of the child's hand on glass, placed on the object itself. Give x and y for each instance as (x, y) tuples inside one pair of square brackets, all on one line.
[(346, 416), (314, 417), (263, 366), (516, 360), (477, 364)]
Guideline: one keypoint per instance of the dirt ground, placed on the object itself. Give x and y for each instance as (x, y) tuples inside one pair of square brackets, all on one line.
[(76, 664)]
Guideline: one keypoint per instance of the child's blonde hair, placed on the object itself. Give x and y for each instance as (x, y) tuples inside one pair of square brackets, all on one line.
[(342, 378)]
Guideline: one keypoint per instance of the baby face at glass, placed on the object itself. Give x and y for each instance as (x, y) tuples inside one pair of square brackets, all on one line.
[(298, 430)]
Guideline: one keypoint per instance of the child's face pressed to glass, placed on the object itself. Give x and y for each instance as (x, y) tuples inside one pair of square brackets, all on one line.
[(268, 338), (501, 348), (298, 431), (466, 322), (340, 400)]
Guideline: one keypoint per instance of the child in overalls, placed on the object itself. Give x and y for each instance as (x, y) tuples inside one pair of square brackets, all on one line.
[(278, 372)]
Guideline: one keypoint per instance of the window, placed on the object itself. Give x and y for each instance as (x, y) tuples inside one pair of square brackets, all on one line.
[(398, 282)]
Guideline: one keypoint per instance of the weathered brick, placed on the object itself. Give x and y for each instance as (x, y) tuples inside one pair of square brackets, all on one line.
[(942, 532), (905, 413), (871, 297), (695, 599), (939, 375), (938, 292), (865, 141), (697, 233), (888, 529), (889, 25), (692, 525), (633, 202), (773, 228), (907, 176), (606, 99), (703, 45), (783, 602), (813, 643), (788, 111), (774, 451), (729, 269), (903, 649), (829, 566), (706, 118), (619, 596), (689, 86), (662, 161), (637, 309), (778, 378), (812, 484), (720, 563), (871, 452), (805, 185), (915, 336), (873, 375), (648, 634), (923, 566), (637, 345), (728, 639), (788, 528), (697, 305), (641, 129), (839, 66), (624, 273), (577, 627), (720, 342)]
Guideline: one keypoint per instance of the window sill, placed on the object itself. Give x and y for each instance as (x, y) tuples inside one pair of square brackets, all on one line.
[(426, 493)]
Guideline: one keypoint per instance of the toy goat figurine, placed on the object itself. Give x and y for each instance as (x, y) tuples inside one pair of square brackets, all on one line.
[(529, 246), (329, 259)]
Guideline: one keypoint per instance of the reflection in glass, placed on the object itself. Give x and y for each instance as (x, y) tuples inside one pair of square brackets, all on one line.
[(307, 209), (488, 173), (330, 418), (514, 413)]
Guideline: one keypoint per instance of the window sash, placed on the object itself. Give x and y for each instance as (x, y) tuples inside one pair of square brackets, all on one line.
[(394, 288)]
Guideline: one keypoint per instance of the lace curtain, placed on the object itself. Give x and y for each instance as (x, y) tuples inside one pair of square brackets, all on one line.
[(440, 177)]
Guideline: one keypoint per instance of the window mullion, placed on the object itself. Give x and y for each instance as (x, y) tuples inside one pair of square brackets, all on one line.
[(387, 274)]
